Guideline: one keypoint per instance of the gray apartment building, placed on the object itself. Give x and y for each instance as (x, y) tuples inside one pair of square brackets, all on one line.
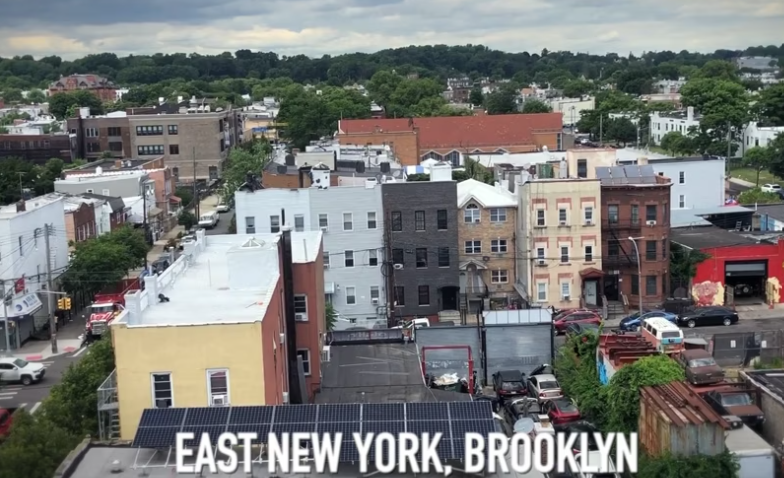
[(421, 243)]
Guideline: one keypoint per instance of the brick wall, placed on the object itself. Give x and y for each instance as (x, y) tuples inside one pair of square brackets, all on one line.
[(404, 143), (486, 232)]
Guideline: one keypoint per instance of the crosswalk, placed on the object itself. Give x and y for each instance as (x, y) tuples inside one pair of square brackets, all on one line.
[(9, 392)]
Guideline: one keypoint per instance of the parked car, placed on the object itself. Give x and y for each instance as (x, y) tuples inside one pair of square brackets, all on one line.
[(770, 188), (580, 426), (17, 370), (560, 411), (223, 207), (579, 329), (633, 322), (544, 387), (713, 315), (525, 407), (736, 403), (509, 383), (700, 367), (580, 317)]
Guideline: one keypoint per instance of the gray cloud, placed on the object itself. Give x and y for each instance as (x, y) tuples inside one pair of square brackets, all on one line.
[(73, 28)]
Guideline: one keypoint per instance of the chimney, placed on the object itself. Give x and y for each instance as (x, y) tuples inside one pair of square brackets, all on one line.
[(690, 113), (296, 395), (118, 163), (21, 206), (563, 170)]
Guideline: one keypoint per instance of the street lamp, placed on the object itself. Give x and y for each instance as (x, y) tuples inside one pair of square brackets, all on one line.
[(639, 270), (572, 109)]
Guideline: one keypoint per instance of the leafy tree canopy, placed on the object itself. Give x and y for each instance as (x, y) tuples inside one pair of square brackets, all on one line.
[(757, 196), (64, 105), (34, 448), (39, 179), (536, 106)]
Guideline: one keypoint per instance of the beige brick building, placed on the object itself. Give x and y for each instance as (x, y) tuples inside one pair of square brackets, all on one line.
[(487, 218)]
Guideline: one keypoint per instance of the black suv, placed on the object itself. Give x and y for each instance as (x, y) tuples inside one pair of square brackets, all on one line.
[(509, 383)]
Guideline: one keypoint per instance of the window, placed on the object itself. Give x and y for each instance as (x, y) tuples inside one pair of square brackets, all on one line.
[(540, 253), (173, 129), (473, 247), (176, 172), (250, 225), (115, 146), (162, 390), (588, 252), (564, 254), (113, 131), (149, 130), (301, 307), (400, 295), (424, 295), (93, 147), (373, 258), (375, 292), (91, 132), (498, 214), (681, 201), (305, 354), (664, 249), (174, 149), (681, 177), (582, 168), (498, 246), (349, 258), (150, 150), (588, 214), (299, 222), (650, 212), (635, 214), (421, 257), (274, 224), (612, 214), (650, 250), (218, 387), (443, 257), (651, 285), (613, 248), (565, 290), (419, 220), (635, 284), (348, 221), (540, 222), (453, 157), (397, 221), (323, 221), (441, 219), (371, 220), (326, 259), (499, 277), (541, 291), (351, 295), (398, 256), (562, 216), (472, 214)]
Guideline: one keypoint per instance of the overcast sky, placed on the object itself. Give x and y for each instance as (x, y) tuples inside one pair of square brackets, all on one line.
[(74, 28)]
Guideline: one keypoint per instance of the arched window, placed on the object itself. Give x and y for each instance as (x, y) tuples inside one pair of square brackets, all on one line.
[(454, 158), (433, 155), (472, 214)]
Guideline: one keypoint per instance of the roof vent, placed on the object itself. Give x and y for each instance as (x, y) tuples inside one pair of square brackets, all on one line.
[(252, 242), (116, 467)]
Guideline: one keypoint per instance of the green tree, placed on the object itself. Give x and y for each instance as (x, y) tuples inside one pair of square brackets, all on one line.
[(34, 448), (12, 95), (63, 105), (771, 105), (718, 70), (502, 101), (185, 194), (758, 159), (577, 88), (383, 85), (36, 96), (722, 104), (672, 142), (241, 162), (621, 130), (683, 264), (776, 152), (331, 316), (187, 220), (476, 97), (758, 196), (534, 105)]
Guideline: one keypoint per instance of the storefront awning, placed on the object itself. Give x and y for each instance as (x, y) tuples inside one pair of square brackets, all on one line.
[(27, 304)]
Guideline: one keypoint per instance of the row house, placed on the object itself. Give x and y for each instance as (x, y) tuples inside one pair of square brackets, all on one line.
[(82, 217), (487, 226)]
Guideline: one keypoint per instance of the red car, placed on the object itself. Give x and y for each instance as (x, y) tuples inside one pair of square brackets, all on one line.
[(560, 411), (562, 320), (6, 419)]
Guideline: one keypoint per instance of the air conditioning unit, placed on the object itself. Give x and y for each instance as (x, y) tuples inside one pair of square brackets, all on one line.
[(567, 298), (220, 400), (325, 353), (374, 301), (326, 266), (282, 338), (398, 267), (589, 223), (561, 223), (285, 397), (324, 229), (540, 262), (650, 223), (301, 317)]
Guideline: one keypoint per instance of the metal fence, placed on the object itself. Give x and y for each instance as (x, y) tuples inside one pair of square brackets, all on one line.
[(744, 349)]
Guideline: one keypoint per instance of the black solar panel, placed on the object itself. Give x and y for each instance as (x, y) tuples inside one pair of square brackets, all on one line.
[(261, 431), (155, 437), (207, 416), (278, 428), (250, 415), (382, 412), (647, 171), (602, 173), (349, 412), (427, 411), (295, 414), (214, 431), (460, 428), (394, 428), (430, 427), (479, 410), (162, 417), (348, 452)]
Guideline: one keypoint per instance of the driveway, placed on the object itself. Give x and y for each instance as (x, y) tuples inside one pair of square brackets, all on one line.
[(223, 225)]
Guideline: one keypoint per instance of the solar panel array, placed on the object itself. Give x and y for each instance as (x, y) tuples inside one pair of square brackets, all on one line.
[(620, 175), (158, 426)]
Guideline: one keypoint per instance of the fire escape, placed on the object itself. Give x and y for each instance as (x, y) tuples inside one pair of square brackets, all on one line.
[(620, 255)]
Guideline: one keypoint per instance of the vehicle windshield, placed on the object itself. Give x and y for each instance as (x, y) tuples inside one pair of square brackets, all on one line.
[(702, 362), (102, 308), (512, 386), (671, 335), (548, 385), (736, 400), (21, 363), (565, 406)]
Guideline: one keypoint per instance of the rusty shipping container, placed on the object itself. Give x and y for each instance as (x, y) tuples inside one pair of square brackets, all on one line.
[(675, 419)]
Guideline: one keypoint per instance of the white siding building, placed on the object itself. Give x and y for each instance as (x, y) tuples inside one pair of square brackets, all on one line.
[(681, 121), (351, 219), (759, 136), (23, 263), (572, 108)]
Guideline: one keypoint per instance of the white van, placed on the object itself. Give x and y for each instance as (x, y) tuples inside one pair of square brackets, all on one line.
[(209, 220), (417, 323)]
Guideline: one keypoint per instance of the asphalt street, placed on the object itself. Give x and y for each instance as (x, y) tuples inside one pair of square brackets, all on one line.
[(223, 224)]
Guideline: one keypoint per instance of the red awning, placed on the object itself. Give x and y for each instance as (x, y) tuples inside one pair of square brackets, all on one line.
[(175, 199), (591, 273)]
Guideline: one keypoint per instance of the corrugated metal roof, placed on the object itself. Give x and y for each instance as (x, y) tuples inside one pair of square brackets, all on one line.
[(681, 405)]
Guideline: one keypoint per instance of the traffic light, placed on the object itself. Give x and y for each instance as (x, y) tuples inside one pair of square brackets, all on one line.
[(61, 304), (67, 303)]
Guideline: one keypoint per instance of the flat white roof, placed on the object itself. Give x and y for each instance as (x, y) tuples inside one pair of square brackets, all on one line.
[(31, 204)]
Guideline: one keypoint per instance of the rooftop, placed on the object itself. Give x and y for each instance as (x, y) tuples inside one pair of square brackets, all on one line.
[(487, 195), (73, 203), (681, 405), (100, 174), (116, 203), (694, 217), (776, 211), (377, 373), (745, 439), (707, 237), (109, 165), (30, 205), (771, 381), (630, 176)]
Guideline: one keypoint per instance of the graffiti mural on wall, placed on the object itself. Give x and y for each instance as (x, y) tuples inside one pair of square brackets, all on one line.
[(773, 291), (708, 293)]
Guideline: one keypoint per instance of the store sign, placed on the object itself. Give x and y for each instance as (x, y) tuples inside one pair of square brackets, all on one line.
[(25, 305)]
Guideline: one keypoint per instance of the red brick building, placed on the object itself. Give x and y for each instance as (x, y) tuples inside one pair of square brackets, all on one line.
[(98, 85)]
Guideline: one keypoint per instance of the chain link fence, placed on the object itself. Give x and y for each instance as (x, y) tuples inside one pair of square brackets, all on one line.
[(745, 349)]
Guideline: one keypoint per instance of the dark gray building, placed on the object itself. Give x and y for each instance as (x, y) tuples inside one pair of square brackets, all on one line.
[(421, 242)]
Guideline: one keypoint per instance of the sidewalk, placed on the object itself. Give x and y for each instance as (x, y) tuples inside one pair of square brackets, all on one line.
[(67, 341), (210, 203)]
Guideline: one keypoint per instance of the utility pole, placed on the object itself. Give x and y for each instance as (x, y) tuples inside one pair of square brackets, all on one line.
[(195, 191), (7, 346), (21, 186), (730, 130), (390, 268), (144, 219), (50, 296), (601, 129)]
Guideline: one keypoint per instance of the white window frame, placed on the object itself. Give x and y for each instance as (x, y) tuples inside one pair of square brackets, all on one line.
[(561, 254), (499, 246), (474, 248), (588, 214), (541, 253), (375, 292), (541, 221), (303, 314), (274, 223), (309, 369), (349, 255), (682, 177), (541, 291), (352, 295), (152, 388), (252, 228), (325, 222), (586, 257), (498, 214), (350, 222), (301, 219), (472, 214), (565, 212), (682, 201), (567, 287), (372, 221), (499, 276), (210, 394), (372, 256)]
